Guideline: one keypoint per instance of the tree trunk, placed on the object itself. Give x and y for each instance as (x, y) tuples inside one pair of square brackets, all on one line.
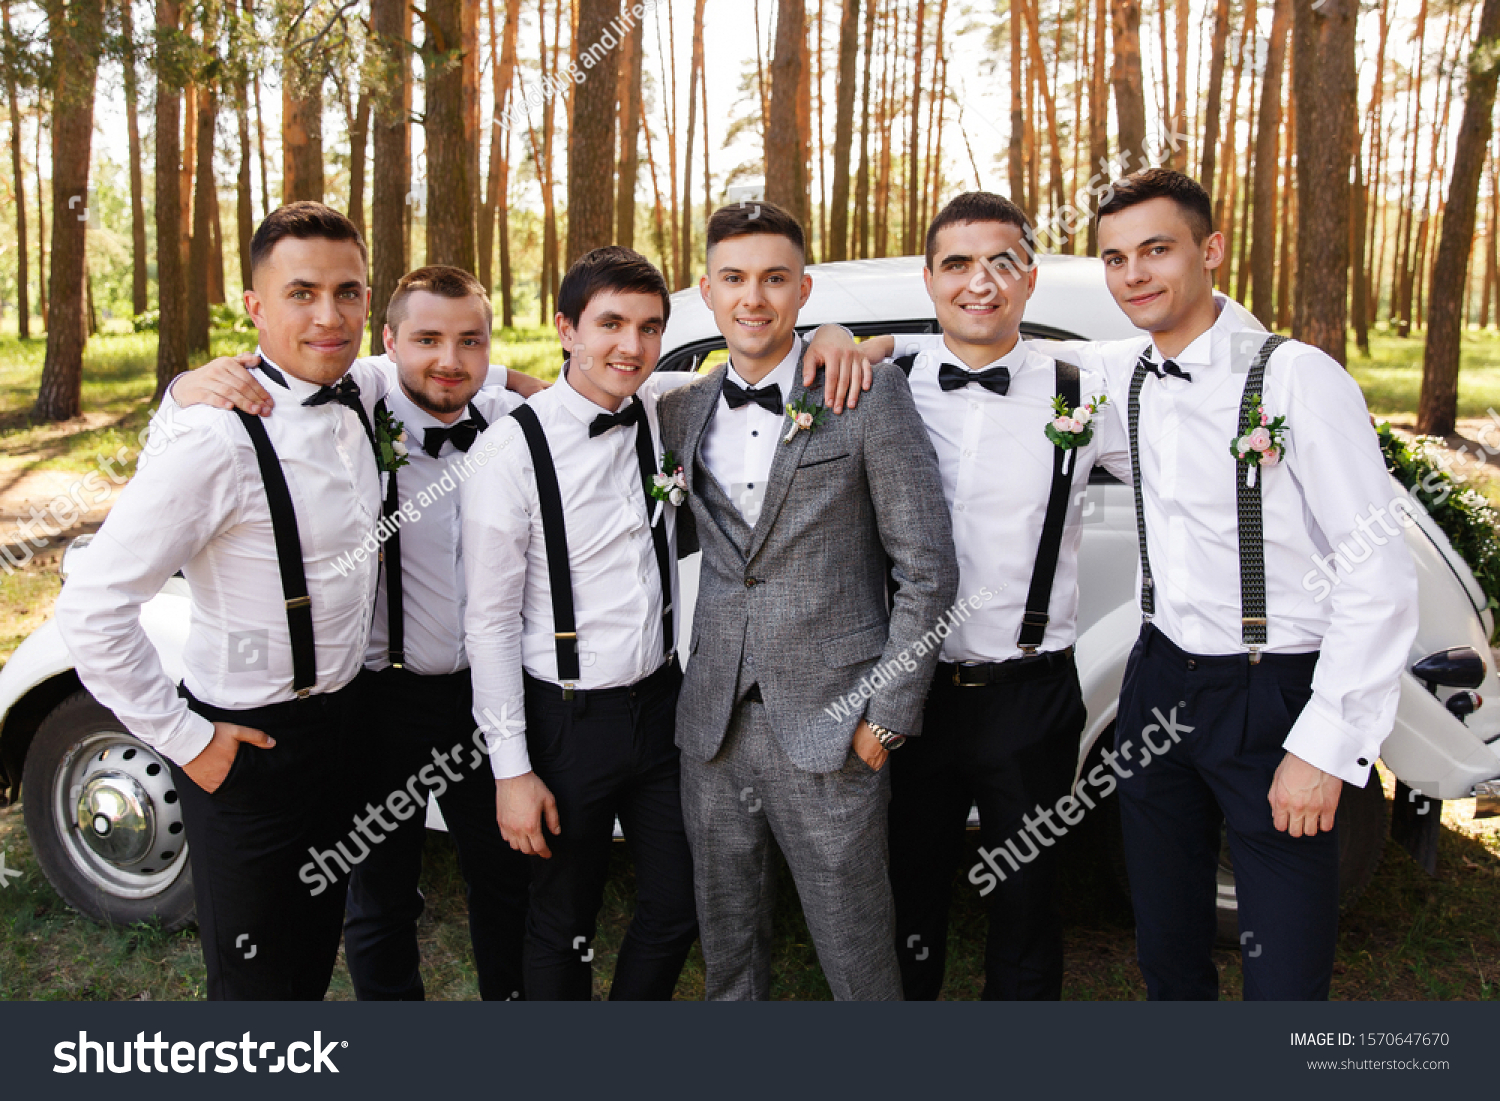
[(23, 302), (1401, 275), (1284, 239), (216, 254), (843, 132), (1359, 296), (1224, 206), (392, 174), (1215, 86), (41, 221), (76, 34), (1055, 170), (301, 126), (1178, 126), (1267, 148), (1130, 97), (1324, 75), (244, 198), (202, 241), (911, 232), (450, 214), (1439, 402), (630, 134), (138, 286), (469, 39), (1098, 108), (695, 74), (359, 137), (502, 192), (786, 179), (591, 141), (860, 245), (1015, 147)]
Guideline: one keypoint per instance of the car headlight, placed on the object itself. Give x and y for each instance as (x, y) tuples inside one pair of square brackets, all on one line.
[(73, 547)]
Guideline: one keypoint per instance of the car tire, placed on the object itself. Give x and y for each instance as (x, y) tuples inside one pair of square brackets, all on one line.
[(1362, 834), (103, 819)]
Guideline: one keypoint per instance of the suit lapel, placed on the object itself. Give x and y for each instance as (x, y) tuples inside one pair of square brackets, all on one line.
[(783, 466), (724, 514)]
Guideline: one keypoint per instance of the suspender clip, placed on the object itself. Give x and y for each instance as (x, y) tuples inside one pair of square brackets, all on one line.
[(1028, 650), (1255, 655), (299, 602), (303, 693), (567, 689)]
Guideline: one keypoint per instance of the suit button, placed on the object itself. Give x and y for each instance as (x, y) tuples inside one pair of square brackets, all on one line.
[(1363, 762), (749, 582), (1192, 664)]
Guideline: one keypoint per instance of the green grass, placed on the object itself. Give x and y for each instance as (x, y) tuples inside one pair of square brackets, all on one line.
[(1391, 376), (1408, 937)]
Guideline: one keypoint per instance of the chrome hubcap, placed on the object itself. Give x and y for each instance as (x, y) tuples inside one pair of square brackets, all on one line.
[(119, 816)]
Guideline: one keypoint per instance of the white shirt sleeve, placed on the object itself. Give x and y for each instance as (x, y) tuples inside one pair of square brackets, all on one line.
[(1334, 454), (498, 501), (183, 495)]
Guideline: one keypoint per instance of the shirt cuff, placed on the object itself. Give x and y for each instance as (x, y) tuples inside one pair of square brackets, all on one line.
[(189, 737), (1325, 741), (505, 738)]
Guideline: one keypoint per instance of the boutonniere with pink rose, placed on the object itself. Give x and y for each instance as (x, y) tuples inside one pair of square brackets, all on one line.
[(805, 417), (669, 487), (1264, 444), (1070, 429)]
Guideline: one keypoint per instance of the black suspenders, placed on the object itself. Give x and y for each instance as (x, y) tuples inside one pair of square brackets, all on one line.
[(554, 531), (391, 555), (549, 497), (1251, 538), (1039, 596), (299, 618)]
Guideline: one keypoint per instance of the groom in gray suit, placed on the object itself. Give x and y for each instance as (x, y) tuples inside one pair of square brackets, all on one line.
[(803, 676)]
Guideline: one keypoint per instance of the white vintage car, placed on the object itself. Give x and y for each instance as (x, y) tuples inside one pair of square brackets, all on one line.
[(104, 821)]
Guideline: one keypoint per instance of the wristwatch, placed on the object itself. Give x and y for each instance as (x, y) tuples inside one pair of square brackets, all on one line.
[(888, 739)]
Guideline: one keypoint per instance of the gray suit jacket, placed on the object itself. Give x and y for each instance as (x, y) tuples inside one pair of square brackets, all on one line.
[(799, 603)]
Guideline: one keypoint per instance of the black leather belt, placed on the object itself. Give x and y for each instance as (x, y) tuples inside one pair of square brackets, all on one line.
[(982, 674)]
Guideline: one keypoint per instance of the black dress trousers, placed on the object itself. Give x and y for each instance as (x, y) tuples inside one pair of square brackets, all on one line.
[(1008, 749), (268, 877), (416, 736), (602, 753)]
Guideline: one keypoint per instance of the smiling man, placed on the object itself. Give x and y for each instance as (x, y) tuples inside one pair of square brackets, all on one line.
[(571, 569), (260, 517), (1252, 455), (802, 679)]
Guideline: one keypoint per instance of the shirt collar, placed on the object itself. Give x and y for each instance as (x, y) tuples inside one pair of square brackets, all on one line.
[(1213, 344), (783, 374), (1014, 359), (581, 407), (299, 388)]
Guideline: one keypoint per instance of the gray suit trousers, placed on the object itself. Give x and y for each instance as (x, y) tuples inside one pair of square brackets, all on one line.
[(748, 803)]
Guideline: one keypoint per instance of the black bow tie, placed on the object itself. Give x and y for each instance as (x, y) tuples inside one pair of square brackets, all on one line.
[(1167, 368), (628, 415), (462, 435), (767, 397), (345, 392), (996, 380)]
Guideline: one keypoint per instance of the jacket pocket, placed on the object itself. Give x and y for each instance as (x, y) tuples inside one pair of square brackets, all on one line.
[(823, 461), (865, 644)]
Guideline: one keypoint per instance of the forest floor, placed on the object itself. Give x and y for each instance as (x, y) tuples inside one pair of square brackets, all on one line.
[(1408, 936)]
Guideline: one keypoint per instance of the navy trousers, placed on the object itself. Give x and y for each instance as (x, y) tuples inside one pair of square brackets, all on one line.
[(1199, 739), (407, 720)]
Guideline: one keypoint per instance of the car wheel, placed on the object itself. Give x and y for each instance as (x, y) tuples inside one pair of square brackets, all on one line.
[(104, 820), (1362, 833)]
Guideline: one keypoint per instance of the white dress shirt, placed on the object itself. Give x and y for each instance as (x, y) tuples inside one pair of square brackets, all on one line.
[(198, 504), (1332, 477), (617, 597), (432, 564), (996, 464), (739, 444)]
